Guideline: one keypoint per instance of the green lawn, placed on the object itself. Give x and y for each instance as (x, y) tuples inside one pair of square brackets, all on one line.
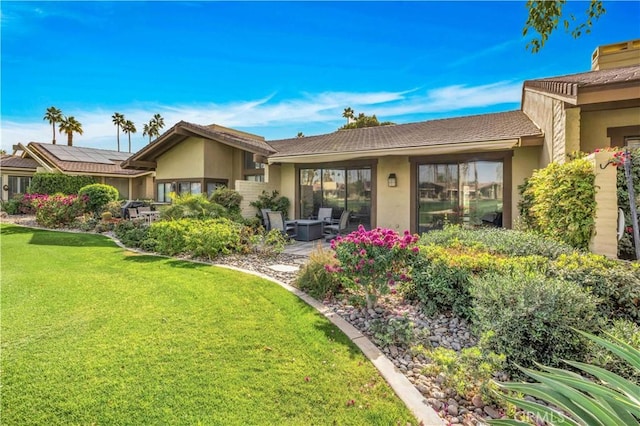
[(92, 334)]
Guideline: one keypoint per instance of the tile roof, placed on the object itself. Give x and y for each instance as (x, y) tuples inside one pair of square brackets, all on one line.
[(474, 128), (60, 156), (17, 162), (568, 85)]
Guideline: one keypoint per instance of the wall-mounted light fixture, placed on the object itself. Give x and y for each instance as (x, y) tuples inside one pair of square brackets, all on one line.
[(392, 181)]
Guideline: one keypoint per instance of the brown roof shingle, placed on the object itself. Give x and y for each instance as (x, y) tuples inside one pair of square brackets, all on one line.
[(474, 128), (569, 85), (17, 162)]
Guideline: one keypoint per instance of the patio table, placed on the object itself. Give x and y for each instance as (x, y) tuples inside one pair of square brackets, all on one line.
[(309, 229)]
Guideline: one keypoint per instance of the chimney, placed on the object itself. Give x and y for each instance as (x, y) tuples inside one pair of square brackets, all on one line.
[(616, 55)]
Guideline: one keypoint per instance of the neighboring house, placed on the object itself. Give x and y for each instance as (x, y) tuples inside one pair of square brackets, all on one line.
[(16, 174), (103, 165), (193, 159), (416, 176)]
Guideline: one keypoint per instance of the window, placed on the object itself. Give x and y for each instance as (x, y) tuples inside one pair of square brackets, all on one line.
[(212, 186), (18, 185), (249, 164), (254, 178), (468, 193), (164, 189), (339, 188)]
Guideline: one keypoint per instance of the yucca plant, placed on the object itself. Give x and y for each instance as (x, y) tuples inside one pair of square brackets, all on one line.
[(607, 400)]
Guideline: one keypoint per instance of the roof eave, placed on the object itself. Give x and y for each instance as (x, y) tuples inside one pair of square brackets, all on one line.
[(494, 145)]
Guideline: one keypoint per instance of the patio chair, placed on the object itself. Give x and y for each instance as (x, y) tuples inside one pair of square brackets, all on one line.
[(265, 219), (133, 214), (276, 220), (324, 214), (336, 229)]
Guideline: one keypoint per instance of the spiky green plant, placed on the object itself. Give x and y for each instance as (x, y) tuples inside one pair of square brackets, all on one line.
[(607, 400)]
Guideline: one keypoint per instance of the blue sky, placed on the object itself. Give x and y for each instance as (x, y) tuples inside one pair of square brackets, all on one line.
[(274, 68)]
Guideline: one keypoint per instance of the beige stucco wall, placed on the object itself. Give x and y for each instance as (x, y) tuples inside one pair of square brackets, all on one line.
[(523, 163), (183, 161), (604, 240), (393, 204), (142, 188), (540, 109), (572, 129), (288, 185), (218, 162), (594, 124), (250, 192)]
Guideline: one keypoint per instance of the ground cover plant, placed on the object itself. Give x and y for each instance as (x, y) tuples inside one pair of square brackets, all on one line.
[(93, 334)]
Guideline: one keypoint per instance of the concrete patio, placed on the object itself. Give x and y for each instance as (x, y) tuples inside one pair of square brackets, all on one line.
[(304, 248)]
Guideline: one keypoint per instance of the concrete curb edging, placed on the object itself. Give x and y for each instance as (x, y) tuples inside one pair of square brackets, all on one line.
[(405, 390)]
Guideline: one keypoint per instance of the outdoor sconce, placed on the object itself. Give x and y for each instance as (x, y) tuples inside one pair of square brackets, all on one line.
[(392, 181)]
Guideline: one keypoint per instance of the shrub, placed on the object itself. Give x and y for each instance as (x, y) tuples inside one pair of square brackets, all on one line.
[(395, 330), (442, 276), (58, 210), (608, 400), (98, 196), (274, 242), (54, 183), (529, 317), (211, 238), (192, 206), (11, 206), (227, 198), (199, 238), (627, 332), (371, 262), (271, 201), (114, 207), (314, 278), (498, 240), (559, 202), (132, 233), (615, 283), (469, 372)]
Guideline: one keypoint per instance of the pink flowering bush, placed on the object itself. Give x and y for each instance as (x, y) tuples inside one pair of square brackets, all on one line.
[(372, 262), (53, 211)]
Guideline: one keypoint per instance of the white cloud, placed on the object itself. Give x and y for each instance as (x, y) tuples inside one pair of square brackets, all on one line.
[(267, 112)]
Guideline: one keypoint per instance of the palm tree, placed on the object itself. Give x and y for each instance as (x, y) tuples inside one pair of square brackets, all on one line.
[(53, 116), (146, 130), (69, 125), (118, 120), (158, 121), (348, 114), (300, 135), (128, 127)]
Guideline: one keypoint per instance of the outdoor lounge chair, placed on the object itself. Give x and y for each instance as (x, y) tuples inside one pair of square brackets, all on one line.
[(336, 229), (324, 214), (265, 219), (276, 220), (133, 214)]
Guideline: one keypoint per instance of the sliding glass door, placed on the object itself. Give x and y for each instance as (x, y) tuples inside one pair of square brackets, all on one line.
[(468, 193), (338, 188)]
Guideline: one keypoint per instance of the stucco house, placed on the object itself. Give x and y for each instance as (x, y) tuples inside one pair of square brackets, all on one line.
[(103, 165), (415, 176)]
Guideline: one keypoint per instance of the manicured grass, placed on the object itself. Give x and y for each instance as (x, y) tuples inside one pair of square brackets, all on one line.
[(92, 334)]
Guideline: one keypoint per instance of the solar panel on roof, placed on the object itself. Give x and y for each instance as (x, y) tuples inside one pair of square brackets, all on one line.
[(87, 155)]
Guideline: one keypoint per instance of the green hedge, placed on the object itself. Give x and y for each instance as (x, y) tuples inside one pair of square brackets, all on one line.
[(58, 183), (559, 202), (198, 238)]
